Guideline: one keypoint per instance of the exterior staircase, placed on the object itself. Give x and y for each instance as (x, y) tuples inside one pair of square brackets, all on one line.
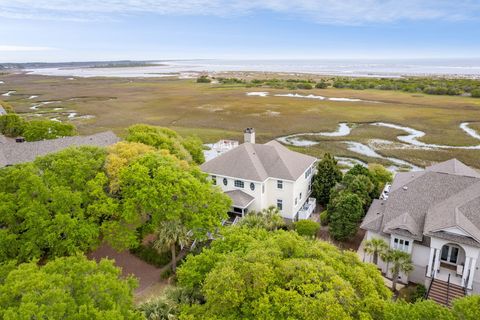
[(444, 292)]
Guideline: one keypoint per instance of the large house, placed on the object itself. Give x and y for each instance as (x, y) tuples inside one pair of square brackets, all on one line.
[(435, 216), (257, 176), (13, 151)]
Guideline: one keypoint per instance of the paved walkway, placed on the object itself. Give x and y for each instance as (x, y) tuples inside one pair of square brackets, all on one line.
[(130, 264)]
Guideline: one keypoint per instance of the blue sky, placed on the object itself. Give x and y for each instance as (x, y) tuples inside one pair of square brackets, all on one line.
[(81, 30)]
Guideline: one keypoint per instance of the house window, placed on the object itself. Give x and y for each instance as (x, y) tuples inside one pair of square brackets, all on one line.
[(401, 244), (449, 254), (296, 201), (308, 172), (252, 186), (263, 188), (280, 204), (239, 184), (280, 184), (214, 179), (225, 181), (300, 196)]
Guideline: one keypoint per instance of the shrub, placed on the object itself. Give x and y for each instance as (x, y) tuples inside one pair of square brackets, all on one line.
[(307, 228), (151, 256), (321, 85), (306, 86), (11, 125), (476, 93), (45, 129), (203, 79)]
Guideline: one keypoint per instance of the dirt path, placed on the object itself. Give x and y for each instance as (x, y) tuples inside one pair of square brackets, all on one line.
[(146, 274)]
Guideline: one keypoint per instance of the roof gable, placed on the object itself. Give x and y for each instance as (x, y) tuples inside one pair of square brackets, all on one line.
[(404, 222), (453, 166), (258, 162)]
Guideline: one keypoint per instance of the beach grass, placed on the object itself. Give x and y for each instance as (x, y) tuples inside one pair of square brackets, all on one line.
[(213, 111)]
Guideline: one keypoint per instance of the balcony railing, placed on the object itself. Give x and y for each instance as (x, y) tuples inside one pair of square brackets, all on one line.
[(307, 209)]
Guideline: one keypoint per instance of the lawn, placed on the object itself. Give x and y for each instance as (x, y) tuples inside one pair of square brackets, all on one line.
[(215, 111)]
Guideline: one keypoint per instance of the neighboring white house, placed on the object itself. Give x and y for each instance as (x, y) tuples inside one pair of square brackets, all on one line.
[(257, 176), (435, 216), (218, 148)]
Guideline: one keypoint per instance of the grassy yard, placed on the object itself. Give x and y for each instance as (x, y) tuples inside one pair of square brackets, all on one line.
[(215, 111)]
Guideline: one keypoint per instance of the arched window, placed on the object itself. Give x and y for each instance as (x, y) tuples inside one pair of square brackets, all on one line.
[(252, 186), (225, 181)]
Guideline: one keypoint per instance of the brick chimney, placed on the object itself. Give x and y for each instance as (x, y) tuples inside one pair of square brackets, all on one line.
[(249, 135)]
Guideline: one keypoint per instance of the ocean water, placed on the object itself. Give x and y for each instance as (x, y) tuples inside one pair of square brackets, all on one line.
[(465, 68)]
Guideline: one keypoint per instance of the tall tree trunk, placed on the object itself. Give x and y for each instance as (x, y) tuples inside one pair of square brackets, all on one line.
[(174, 258), (375, 258)]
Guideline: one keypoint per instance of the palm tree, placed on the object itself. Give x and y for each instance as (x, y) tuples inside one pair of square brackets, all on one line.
[(401, 262), (375, 247), (273, 218), (269, 219), (169, 234)]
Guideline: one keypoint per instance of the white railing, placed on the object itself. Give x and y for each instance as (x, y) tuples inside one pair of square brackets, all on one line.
[(307, 209), (236, 220)]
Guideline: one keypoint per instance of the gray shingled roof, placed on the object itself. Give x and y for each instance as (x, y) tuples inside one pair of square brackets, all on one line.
[(13, 153), (240, 199), (445, 195), (258, 162), (453, 166)]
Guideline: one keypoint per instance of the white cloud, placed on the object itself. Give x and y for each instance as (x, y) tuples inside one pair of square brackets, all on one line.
[(350, 12), (23, 48)]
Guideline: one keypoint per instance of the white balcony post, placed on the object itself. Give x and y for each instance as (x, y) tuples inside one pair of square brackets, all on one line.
[(430, 262), (437, 263), (466, 269), (472, 273)]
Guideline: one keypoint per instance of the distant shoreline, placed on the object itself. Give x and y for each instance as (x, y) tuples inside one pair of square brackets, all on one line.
[(448, 68)]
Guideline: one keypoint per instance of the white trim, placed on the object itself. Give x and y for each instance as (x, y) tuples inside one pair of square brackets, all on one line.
[(276, 178)]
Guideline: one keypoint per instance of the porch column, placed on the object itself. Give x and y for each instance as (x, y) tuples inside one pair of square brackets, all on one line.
[(466, 270), (472, 273), (430, 262), (437, 263)]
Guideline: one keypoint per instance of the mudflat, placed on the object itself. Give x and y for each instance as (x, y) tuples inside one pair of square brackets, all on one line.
[(215, 111)]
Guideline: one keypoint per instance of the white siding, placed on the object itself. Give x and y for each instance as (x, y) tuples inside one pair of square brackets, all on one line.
[(290, 191)]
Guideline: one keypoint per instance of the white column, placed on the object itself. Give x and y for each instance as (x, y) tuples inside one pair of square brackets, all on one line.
[(437, 263), (466, 268), (430, 262), (472, 273)]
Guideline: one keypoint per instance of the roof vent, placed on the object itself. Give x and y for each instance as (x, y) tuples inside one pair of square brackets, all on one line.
[(405, 188)]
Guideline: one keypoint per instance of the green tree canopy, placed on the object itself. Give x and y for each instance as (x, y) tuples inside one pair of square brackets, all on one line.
[(344, 213), (67, 288), (162, 138), (158, 187), (11, 125), (46, 129), (254, 274), (327, 176), (58, 206)]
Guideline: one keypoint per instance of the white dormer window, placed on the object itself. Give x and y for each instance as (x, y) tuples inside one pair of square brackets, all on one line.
[(280, 184), (401, 244)]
